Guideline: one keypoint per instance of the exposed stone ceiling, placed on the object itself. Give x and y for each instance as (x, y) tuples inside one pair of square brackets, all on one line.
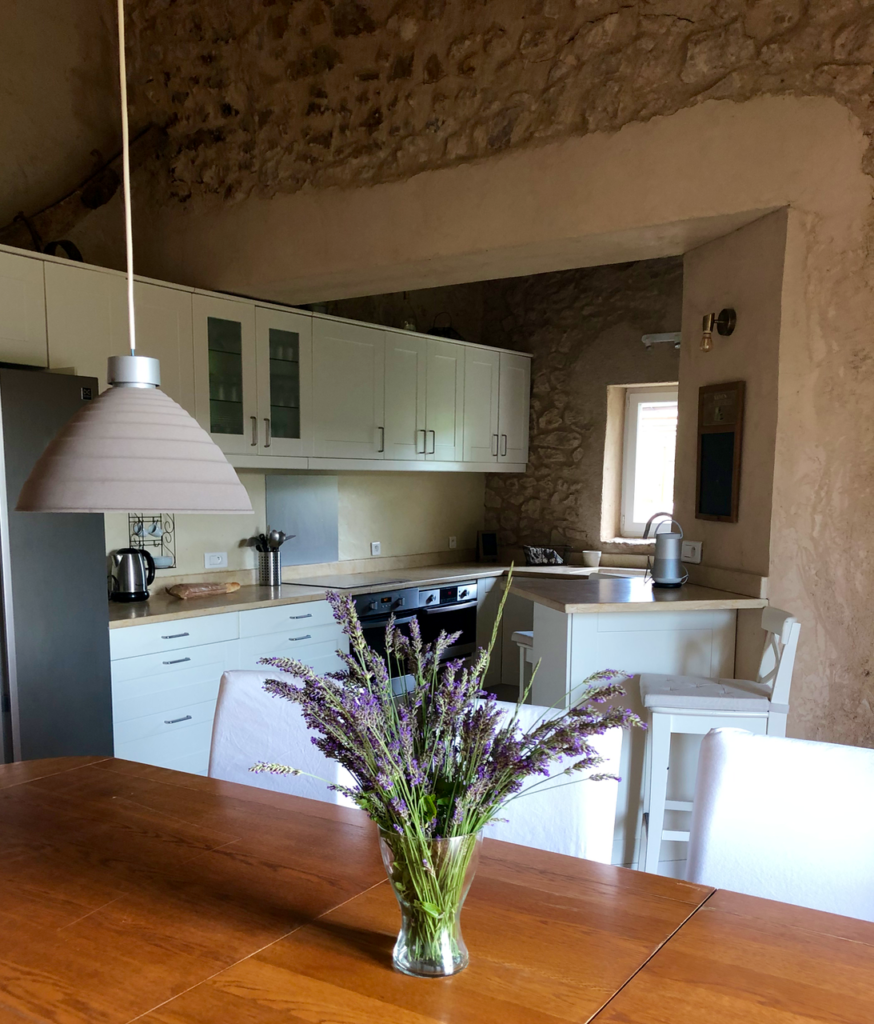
[(261, 96)]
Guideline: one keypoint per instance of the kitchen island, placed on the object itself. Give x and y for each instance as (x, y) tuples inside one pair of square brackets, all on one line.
[(584, 626)]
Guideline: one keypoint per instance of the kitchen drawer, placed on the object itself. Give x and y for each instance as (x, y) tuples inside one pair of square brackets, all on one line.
[(150, 672), (140, 705), (154, 638), (281, 617), (163, 723), (186, 750), (282, 645)]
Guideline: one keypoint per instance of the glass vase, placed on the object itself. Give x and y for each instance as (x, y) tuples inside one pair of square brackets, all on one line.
[(430, 879)]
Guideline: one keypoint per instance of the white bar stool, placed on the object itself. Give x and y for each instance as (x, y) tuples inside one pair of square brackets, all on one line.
[(695, 705), (524, 639)]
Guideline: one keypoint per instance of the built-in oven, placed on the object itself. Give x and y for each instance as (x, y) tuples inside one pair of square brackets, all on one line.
[(453, 609), (450, 608)]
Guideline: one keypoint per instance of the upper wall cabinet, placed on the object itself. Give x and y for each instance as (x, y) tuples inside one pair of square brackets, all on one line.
[(481, 388), (348, 390), (22, 311), (225, 373), (284, 345), (424, 398), (87, 318), (514, 398), (497, 388)]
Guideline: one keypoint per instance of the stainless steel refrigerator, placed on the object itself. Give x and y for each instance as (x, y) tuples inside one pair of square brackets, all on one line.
[(56, 695)]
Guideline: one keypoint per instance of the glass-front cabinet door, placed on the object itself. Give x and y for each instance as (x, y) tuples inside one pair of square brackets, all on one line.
[(225, 372), (284, 347)]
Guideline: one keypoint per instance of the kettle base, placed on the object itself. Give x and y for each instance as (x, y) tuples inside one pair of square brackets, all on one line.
[(128, 598), (667, 586)]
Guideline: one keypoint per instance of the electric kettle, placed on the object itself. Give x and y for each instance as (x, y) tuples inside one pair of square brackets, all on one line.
[(134, 571), (667, 567)]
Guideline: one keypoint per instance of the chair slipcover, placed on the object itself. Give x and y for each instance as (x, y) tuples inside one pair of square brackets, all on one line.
[(785, 819)]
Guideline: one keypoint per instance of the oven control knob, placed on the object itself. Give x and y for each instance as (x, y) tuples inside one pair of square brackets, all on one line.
[(430, 599), (463, 595)]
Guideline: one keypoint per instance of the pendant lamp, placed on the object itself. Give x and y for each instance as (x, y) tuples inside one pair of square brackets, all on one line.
[(133, 449)]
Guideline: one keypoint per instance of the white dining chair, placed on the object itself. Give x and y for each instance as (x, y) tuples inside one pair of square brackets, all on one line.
[(250, 725), (575, 819), (785, 819), (694, 704)]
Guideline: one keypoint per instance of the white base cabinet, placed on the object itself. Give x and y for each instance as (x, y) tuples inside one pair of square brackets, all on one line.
[(166, 676)]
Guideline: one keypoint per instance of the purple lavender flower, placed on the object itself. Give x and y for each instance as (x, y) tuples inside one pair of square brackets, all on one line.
[(442, 759)]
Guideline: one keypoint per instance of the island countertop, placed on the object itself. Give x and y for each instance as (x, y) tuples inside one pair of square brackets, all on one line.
[(581, 597)]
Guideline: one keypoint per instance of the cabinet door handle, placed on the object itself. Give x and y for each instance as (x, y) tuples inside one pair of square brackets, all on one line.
[(424, 434), (267, 432), (433, 434), (308, 615), (254, 420), (495, 439), (308, 636), (178, 661), (174, 721), (381, 439), (174, 636), (504, 445)]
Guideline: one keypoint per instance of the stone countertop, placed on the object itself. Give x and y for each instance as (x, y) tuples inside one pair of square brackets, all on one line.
[(580, 597), (163, 607)]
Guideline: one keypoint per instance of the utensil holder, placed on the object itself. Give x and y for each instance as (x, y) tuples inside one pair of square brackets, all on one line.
[(269, 568)]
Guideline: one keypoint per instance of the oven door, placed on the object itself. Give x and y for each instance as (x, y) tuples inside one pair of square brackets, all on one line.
[(453, 618), (374, 634)]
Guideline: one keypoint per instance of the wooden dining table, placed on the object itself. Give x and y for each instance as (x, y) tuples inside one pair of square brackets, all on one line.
[(133, 893)]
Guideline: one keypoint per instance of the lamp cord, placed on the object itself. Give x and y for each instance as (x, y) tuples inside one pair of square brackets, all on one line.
[(125, 163)]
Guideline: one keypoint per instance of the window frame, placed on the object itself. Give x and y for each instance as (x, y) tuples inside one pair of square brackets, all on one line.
[(635, 396)]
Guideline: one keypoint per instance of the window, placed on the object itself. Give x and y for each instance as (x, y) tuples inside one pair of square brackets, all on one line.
[(648, 455)]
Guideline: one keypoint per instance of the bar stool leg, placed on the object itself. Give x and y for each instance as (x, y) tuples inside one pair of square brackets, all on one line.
[(660, 755), (521, 671)]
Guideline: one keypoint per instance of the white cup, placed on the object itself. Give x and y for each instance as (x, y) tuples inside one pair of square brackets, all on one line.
[(592, 559)]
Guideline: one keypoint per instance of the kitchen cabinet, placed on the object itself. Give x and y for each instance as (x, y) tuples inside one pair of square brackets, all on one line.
[(22, 301), (166, 676), (514, 398), (481, 388), (348, 390), (86, 310), (444, 420), (225, 372), (406, 364), (283, 345)]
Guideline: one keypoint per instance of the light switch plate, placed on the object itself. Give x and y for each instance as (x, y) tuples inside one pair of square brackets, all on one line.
[(375, 547), (691, 551), (215, 560), (452, 543)]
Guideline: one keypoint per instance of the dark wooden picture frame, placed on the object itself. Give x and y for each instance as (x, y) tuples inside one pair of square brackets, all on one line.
[(720, 440)]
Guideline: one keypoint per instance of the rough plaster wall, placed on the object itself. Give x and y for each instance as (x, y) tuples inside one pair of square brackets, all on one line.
[(583, 328), (58, 98), (460, 305), (271, 96)]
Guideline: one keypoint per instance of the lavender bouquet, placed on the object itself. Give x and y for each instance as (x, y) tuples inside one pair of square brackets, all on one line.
[(433, 765)]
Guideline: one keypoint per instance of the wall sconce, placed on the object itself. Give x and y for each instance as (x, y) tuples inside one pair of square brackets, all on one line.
[(725, 324)]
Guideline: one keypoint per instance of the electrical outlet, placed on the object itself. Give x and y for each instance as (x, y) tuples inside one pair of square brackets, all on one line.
[(691, 551), (215, 560), (375, 547), (452, 543)]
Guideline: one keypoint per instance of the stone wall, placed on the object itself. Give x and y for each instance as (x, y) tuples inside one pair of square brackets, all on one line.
[(268, 96), (583, 328)]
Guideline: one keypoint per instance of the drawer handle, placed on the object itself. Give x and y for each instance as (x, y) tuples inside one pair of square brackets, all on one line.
[(175, 636), (308, 636), (173, 721), (178, 661), (308, 615)]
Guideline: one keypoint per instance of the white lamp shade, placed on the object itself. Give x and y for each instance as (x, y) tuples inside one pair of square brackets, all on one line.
[(133, 449)]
